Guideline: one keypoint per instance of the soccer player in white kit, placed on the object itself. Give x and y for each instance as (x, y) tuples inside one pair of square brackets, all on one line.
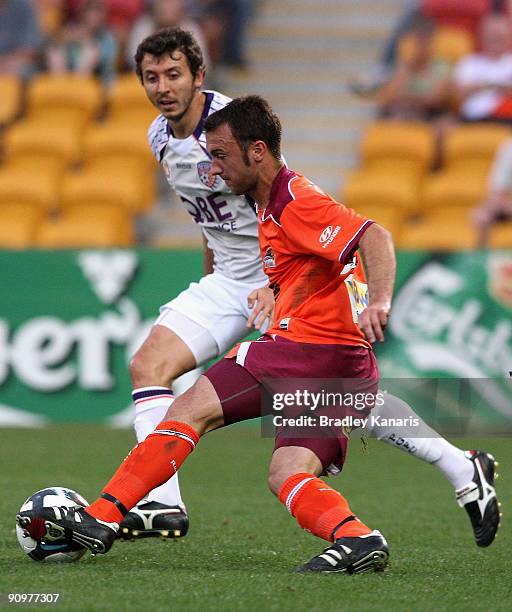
[(210, 316)]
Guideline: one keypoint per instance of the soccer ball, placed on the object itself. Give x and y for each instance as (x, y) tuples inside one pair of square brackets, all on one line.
[(46, 550)]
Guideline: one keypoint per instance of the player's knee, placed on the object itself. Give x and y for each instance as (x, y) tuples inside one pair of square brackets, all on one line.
[(145, 371), (277, 476), (199, 407), (140, 371)]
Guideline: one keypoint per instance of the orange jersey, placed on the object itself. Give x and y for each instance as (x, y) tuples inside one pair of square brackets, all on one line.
[(308, 245)]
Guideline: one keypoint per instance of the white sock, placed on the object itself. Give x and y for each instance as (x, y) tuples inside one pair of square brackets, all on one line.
[(429, 446), (151, 404)]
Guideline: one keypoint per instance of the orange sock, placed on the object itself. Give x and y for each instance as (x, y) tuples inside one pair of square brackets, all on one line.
[(149, 464), (320, 509)]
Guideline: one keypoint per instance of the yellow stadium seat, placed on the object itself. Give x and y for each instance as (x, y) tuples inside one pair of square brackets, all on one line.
[(102, 185), (123, 149), (102, 211), (83, 231), (449, 44), (21, 185), (18, 225), (59, 91), (367, 188), (449, 189), (118, 138), (501, 236), (437, 235), (71, 118), (389, 217), (396, 140), (468, 145), (10, 97), (53, 141), (127, 101), (405, 169), (119, 166), (35, 164)]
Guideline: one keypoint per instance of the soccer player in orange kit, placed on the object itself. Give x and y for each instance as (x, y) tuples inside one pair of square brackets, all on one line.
[(327, 315)]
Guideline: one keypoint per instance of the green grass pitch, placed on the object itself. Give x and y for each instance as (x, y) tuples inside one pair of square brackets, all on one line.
[(242, 546)]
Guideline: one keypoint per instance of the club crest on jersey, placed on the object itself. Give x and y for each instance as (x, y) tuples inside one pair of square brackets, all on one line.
[(269, 261), (204, 169)]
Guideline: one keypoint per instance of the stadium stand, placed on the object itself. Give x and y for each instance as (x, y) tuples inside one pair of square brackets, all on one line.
[(437, 234), (127, 102), (18, 224), (10, 98), (449, 44), (58, 93), (402, 142), (17, 186), (46, 139), (472, 147), (87, 143), (501, 236), (105, 186), (78, 229)]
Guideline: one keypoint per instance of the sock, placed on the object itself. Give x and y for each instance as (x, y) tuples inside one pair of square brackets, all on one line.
[(151, 405), (148, 465), (429, 447), (320, 509)]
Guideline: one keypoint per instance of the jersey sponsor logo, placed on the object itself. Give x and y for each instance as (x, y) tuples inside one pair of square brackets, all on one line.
[(204, 169), (269, 261), (211, 212), (183, 166), (328, 235)]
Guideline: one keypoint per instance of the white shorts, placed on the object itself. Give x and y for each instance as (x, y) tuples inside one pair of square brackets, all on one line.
[(215, 309)]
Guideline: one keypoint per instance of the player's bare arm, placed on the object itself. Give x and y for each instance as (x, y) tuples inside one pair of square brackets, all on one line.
[(261, 301), (377, 250)]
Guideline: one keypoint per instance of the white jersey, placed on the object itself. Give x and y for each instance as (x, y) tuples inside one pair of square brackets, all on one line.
[(229, 222)]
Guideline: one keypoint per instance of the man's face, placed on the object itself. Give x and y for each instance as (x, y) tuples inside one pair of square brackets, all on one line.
[(237, 170), (169, 84)]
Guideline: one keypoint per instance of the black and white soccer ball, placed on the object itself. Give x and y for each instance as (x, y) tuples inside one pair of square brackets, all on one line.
[(46, 550)]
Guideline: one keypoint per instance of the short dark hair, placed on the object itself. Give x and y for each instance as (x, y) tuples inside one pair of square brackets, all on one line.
[(249, 118), (168, 41)]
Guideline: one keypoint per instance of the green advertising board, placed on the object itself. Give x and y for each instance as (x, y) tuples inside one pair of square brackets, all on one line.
[(71, 320), (449, 341)]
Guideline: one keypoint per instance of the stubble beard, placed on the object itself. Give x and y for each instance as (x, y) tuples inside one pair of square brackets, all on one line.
[(177, 117)]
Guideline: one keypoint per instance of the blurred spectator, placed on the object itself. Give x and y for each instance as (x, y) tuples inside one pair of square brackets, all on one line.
[(20, 37), (450, 13), (483, 80), (418, 87), (120, 17), (224, 23), (463, 14), (85, 45), (121, 14), (164, 14), (497, 206), (368, 84)]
